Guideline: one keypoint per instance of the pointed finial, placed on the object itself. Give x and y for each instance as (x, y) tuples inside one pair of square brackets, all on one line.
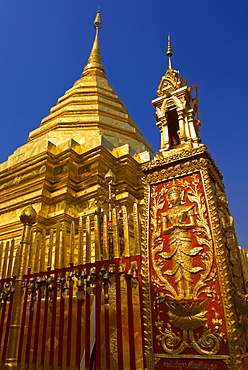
[(98, 20), (169, 53), (94, 65)]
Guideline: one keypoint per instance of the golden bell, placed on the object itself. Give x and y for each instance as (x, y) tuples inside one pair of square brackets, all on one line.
[(130, 272), (93, 272), (59, 280), (12, 289), (106, 276), (43, 279), (111, 269), (121, 269), (39, 280), (83, 274), (80, 283), (135, 273), (74, 272), (88, 278)]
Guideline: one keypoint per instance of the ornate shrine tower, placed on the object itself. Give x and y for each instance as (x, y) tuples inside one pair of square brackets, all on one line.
[(195, 290)]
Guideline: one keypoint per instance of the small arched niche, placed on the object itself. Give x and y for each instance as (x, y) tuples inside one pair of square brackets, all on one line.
[(173, 127)]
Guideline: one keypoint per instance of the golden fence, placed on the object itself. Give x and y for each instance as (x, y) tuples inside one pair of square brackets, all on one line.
[(72, 296)]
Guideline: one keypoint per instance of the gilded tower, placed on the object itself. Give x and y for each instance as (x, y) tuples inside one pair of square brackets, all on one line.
[(194, 271), (108, 259)]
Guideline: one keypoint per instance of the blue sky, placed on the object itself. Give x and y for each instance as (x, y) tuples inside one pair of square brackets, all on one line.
[(44, 46)]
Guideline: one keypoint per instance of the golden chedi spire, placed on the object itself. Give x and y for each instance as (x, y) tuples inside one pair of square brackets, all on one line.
[(91, 110), (94, 65), (87, 115)]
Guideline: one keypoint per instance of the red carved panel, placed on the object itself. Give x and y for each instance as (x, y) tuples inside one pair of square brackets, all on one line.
[(187, 313)]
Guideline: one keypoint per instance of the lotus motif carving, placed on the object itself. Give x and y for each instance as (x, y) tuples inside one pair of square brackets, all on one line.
[(188, 316)]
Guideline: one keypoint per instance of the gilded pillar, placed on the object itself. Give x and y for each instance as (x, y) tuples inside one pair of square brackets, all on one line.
[(165, 141), (192, 127), (28, 217), (181, 125)]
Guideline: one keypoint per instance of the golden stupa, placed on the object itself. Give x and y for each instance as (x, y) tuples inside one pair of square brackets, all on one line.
[(59, 169)]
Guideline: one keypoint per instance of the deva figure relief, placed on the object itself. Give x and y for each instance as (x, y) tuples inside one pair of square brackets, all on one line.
[(181, 243), (176, 222)]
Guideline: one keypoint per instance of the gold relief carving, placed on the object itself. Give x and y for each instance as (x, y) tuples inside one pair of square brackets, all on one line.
[(56, 207), (61, 169), (66, 168), (226, 220), (145, 285), (233, 255), (52, 208), (241, 305), (84, 170), (23, 177), (16, 181), (42, 169), (113, 347), (92, 202), (234, 262), (176, 171), (156, 360), (220, 250), (189, 317), (181, 251), (170, 82), (228, 362), (240, 297), (112, 295), (164, 158), (59, 206), (177, 221), (58, 170), (82, 206)]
